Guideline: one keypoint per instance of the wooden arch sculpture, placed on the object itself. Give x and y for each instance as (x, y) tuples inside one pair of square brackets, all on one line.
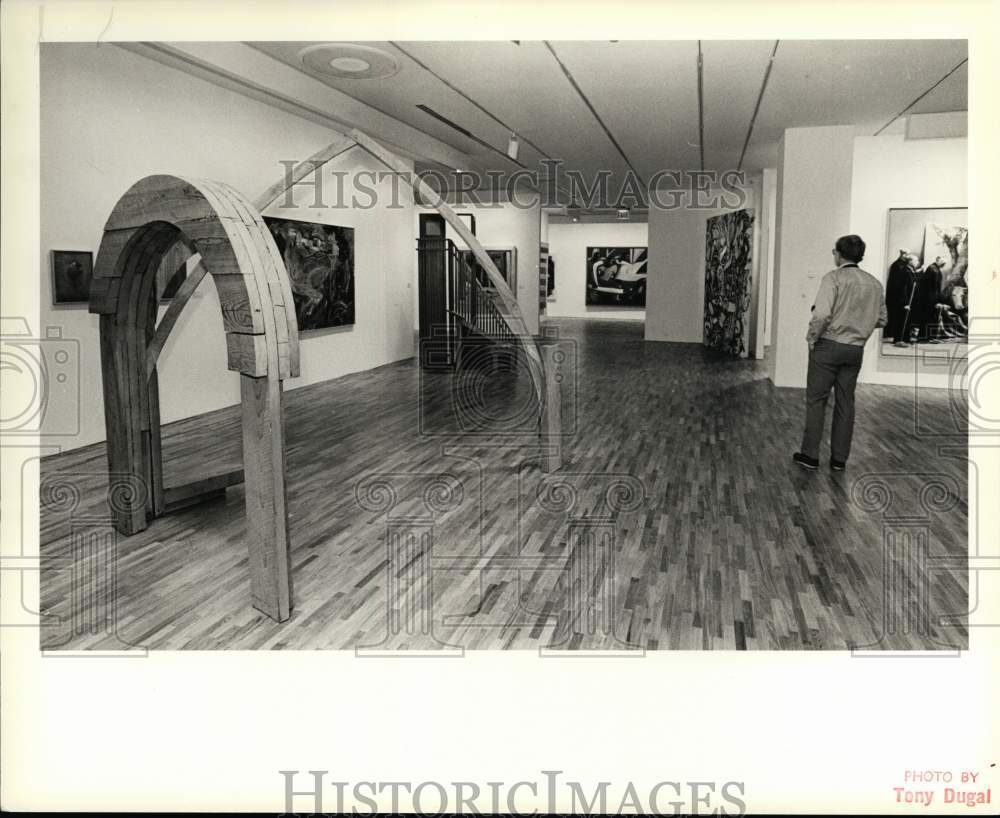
[(211, 219)]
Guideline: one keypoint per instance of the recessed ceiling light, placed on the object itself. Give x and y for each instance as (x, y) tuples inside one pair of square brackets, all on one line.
[(352, 64), (349, 61)]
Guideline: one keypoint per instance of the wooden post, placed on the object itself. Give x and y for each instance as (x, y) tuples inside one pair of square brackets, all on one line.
[(551, 416), (266, 503), (121, 422), (155, 503)]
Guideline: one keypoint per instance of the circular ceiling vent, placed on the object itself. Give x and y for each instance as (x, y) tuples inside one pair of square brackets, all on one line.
[(349, 61)]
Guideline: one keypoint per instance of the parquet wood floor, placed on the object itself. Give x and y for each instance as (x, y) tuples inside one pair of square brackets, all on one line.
[(678, 520)]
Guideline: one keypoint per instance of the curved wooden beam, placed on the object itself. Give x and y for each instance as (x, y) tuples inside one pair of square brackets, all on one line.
[(166, 324), (301, 170)]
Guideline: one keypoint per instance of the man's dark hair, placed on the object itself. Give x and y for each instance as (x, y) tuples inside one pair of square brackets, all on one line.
[(851, 248)]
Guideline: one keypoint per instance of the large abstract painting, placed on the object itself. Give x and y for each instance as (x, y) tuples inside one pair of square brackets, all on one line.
[(728, 270), (320, 263), (616, 276), (926, 282)]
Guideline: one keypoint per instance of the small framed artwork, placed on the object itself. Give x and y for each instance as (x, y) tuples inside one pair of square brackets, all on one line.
[(470, 221), (71, 274)]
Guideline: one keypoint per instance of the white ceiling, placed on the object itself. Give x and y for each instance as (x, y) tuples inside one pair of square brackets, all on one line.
[(646, 94)]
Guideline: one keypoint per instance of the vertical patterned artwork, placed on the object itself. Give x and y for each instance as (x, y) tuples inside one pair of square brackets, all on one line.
[(728, 251)]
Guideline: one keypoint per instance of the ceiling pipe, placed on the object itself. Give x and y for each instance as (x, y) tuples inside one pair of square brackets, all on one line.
[(756, 109), (572, 81), (924, 94), (701, 107)]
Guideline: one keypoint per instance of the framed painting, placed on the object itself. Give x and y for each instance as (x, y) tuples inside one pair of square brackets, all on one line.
[(616, 276), (926, 282), (319, 259), (728, 280), (72, 271)]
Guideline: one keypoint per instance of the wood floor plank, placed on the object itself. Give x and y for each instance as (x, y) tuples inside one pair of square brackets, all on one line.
[(729, 546)]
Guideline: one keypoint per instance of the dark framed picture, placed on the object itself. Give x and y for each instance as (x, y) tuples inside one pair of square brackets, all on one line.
[(319, 259), (616, 276), (470, 221), (71, 274), (926, 282), (505, 259)]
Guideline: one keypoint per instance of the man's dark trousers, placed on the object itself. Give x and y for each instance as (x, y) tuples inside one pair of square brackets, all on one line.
[(832, 365)]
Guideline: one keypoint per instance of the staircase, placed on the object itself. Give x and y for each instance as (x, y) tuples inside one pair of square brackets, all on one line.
[(458, 306)]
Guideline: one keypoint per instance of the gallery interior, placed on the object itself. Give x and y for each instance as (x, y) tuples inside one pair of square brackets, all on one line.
[(450, 405)]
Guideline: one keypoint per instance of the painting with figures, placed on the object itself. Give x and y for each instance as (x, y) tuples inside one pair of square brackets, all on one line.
[(319, 259), (616, 276), (926, 282)]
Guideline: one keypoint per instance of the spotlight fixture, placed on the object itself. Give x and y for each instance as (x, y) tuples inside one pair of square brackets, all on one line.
[(513, 146), (623, 214), (349, 61)]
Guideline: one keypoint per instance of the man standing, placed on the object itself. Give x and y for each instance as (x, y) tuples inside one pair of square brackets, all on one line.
[(849, 306), (898, 297)]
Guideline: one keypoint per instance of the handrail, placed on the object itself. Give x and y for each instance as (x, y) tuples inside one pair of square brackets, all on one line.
[(511, 311), (476, 304)]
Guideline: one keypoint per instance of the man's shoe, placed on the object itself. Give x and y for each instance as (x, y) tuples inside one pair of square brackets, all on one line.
[(806, 462), (838, 465)]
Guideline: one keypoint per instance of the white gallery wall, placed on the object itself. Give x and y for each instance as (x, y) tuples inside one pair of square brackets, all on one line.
[(568, 245), (814, 208), (110, 117), (501, 225), (675, 289), (675, 297), (892, 171)]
